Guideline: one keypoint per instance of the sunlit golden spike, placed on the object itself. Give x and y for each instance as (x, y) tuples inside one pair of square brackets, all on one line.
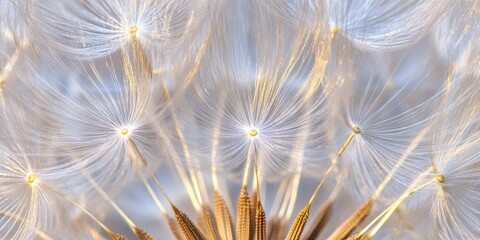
[(253, 132), (209, 223), (440, 178), (319, 221), (115, 236), (31, 178), (222, 215), (244, 227), (174, 227), (254, 199), (189, 229), (351, 223), (142, 234), (301, 219), (299, 224), (356, 237), (260, 223)]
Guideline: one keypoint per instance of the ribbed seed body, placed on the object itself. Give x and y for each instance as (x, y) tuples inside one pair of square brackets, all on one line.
[(142, 234), (244, 218), (253, 200), (319, 221), (223, 217), (189, 229), (210, 224), (115, 236), (299, 224), (260, 223), (174, 227), (351, 223)]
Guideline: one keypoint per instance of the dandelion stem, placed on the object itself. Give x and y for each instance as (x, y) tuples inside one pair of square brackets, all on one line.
[(189, 229), (197, 179), (260, 219), (413, 145), (138, 48), (180, 170), (111, 202), (171, 223), (113, 235), (385, 215), (141, 234), (334, 162), (320, 63), (301, 219), (17, 218)]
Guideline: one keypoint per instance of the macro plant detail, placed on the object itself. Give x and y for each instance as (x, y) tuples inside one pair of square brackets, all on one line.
[(256, 119)]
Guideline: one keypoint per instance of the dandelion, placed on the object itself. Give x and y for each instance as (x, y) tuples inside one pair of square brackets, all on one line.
[(385, 25), (452, 158), (456, 35), (387, 124), (375, 101), (24, 196), (92, 29), (96, 118)]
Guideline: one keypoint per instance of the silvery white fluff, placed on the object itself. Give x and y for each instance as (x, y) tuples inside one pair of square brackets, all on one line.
[(147, 119)]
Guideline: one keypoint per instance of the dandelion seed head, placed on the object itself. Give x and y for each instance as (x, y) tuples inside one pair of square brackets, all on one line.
[(92, 29)]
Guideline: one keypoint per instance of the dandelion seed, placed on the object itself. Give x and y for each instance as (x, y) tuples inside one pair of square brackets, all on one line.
[(92, 29), (385, 25)]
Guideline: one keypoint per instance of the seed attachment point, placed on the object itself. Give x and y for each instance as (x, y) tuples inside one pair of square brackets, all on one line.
[(356, 129), (335, 29), (133, 30), (253, 132), (31, 178), (440, 178), (124, 132)]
